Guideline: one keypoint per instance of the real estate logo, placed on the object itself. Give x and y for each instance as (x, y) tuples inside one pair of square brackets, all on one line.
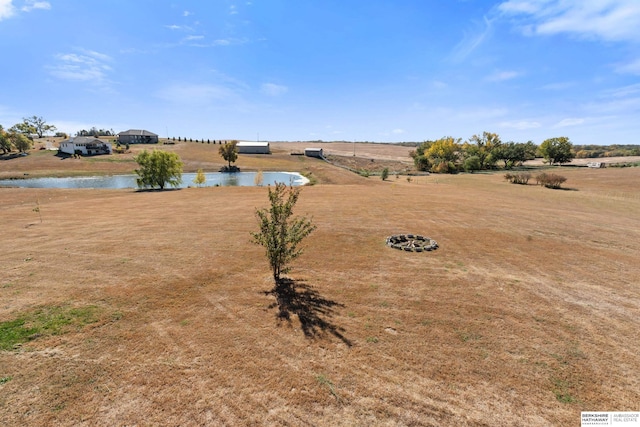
[(622, 419)]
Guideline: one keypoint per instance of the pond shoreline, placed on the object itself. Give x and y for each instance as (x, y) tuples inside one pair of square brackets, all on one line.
[(128, 181)]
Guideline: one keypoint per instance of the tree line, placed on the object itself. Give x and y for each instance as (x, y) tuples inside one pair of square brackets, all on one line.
[(95, 132), (20, 135), (486, 151)]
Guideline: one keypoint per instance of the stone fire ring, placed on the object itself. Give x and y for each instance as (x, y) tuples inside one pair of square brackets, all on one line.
[(411, 243)]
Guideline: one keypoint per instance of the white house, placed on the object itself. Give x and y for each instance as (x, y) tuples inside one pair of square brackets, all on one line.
[(253, 147), (313, 152), (85, 145)]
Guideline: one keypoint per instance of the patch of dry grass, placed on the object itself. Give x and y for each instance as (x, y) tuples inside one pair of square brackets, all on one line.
[(526, 314)]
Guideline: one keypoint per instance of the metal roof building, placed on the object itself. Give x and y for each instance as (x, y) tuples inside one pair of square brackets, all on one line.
[(253, 147)]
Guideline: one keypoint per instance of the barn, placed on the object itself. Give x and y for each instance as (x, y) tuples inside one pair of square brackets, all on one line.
[(253, 147)]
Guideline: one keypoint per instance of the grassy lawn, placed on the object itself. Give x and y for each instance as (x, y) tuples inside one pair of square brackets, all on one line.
[(150, 308)]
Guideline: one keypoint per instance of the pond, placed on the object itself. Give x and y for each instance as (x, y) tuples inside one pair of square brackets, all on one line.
[(213, 179)]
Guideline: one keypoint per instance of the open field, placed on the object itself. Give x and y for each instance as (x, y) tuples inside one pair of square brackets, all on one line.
[(527, 314)]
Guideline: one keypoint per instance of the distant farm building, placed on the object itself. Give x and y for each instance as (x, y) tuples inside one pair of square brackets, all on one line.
[(253, 147), (137, 136), (595, 164), (85, 145), (314, 152)]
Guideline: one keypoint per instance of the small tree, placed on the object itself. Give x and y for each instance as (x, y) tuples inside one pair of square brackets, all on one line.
[(557, 150), (158, 168), (385, 174), (39, 125), (5, 142), (482, 148), (24, 128), (20, 141), (472, 163), (280, 233), (229, 152), (200, 178)]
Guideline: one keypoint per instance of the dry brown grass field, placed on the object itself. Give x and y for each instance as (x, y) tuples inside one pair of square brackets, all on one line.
[(527, 314)]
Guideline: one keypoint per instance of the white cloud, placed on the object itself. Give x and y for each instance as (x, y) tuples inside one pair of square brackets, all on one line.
[(629, 68), (175, 27), (189, 38), (31, 5), (186, 13), (7, 10), (624, 91), (569, 122), (398, 131), (559, 86), (272, 89), (501, 76), (521, 125), (471, 41), (86, 66), (611, 20), (623, 100)]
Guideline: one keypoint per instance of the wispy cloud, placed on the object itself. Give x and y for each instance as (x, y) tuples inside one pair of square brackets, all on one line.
[(624, 91), (611, 20), (186, 13), (398, 131), (501, 76), (624, 100), (521, 125), (85, 66), (559, 86), (471, 41), (632, 67), (272, 89), (8, 9), (569, 122), (31, 5), (175, 27)]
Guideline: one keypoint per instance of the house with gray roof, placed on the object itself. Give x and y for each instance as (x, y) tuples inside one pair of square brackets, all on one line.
[(137, 136)]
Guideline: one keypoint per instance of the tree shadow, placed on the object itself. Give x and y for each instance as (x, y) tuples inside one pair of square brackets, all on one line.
[(313, 310)]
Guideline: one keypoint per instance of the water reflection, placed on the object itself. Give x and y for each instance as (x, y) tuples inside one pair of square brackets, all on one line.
[(213, 179)]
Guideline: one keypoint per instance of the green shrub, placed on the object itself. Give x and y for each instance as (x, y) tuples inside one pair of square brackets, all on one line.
[(472, 164), (385, 174)]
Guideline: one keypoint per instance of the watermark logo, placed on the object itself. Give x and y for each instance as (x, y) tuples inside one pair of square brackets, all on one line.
[(621, 419)]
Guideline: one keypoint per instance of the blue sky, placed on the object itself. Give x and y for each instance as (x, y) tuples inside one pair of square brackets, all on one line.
[(374, 70)]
